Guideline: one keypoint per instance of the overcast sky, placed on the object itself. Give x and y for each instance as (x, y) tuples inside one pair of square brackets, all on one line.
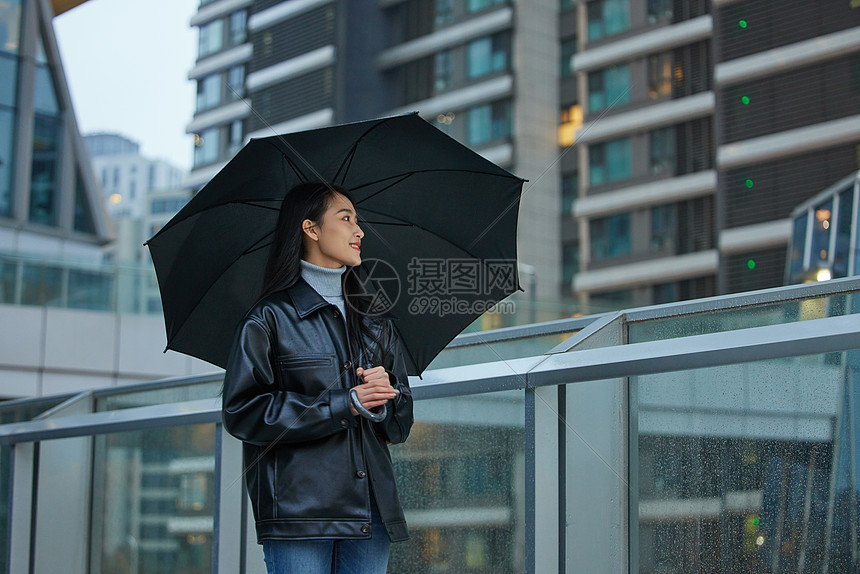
[(127, 64)]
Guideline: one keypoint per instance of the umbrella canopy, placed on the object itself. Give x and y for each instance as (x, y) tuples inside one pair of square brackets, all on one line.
[(439, 220)]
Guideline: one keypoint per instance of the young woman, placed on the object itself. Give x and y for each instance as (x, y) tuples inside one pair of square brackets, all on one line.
[(317, 466)]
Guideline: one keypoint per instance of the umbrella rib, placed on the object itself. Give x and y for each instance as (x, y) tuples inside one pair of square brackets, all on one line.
[(435, 170), (347, 162), (392, 184)]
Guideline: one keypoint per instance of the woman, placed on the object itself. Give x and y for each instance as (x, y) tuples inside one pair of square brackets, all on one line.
[(318, 472)]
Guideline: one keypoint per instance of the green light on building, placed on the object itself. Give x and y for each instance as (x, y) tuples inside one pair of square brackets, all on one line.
[(745, 100), (742, 23), (749, 183), (751, 264)]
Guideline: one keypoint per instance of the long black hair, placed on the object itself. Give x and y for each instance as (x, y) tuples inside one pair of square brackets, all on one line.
[(283, 269)]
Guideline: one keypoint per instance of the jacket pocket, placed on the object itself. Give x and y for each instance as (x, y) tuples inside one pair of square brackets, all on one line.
[(309, 374), (306, 361)]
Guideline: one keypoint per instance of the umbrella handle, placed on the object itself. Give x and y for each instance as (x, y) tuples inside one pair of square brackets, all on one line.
[(376, 417)]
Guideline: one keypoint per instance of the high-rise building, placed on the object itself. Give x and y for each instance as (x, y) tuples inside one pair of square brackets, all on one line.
[(706, 123), (486, 72), (625, 116)]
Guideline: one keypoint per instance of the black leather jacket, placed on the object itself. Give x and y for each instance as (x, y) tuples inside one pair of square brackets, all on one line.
[(310, 463)]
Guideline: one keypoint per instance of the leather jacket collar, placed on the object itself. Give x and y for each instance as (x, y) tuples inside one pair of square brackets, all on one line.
[(305, 299)]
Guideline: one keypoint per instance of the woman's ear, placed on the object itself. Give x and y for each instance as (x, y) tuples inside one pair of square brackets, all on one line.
[(309, 228)]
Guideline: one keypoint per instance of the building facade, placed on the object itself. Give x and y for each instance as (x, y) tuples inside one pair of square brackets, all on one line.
[(49, 200), (706, 123), (644, 128)]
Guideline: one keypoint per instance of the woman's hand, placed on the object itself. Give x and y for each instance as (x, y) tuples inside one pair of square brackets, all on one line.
[(375, 388)]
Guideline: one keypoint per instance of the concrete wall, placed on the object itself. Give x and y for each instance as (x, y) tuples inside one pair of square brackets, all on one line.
[(45, 351)]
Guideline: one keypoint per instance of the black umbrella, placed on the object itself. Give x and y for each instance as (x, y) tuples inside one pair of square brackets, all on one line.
[(439, 220)]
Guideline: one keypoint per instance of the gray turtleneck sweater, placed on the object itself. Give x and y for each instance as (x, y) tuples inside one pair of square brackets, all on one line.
[(327, 282)]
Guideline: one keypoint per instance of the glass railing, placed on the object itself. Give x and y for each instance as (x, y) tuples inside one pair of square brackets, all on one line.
[(581, 445)]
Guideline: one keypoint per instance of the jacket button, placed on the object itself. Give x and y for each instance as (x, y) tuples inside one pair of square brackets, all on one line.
[(360, 474), (344, 422), (335, 314), (365, 528), (347, 364)]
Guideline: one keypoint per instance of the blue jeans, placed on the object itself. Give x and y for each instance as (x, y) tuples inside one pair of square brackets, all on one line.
[(361, 556)]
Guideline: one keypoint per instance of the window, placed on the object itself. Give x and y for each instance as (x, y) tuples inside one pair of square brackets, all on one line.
[(45, 96), (444, 11), (569, 262), (488, 55), (610, 236), (607, 17), (211, 38), (569, 123), (478, 5), (662, 145), (208, 92), (842, 251), (608, 88), (10, 23), (236, 82), (238, 27), (659, 10), (568, 49), (488, 122), (7, 148), (569, 191), (663, 227), (168, 205), (9, 73), (609, 161), (206, 147), (45, 175), (660, 75), (235, 142), (442, 71)]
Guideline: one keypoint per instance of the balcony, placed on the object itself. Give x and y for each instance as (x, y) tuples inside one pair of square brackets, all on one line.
[(713, 435)]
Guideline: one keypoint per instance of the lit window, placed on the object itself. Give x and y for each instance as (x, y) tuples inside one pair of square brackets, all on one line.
[(660, 75), (571, 121)]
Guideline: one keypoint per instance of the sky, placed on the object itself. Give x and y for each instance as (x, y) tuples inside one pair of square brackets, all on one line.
[(127, 64)]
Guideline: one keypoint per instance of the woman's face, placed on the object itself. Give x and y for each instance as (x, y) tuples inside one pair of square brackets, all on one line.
[(336, 240)]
